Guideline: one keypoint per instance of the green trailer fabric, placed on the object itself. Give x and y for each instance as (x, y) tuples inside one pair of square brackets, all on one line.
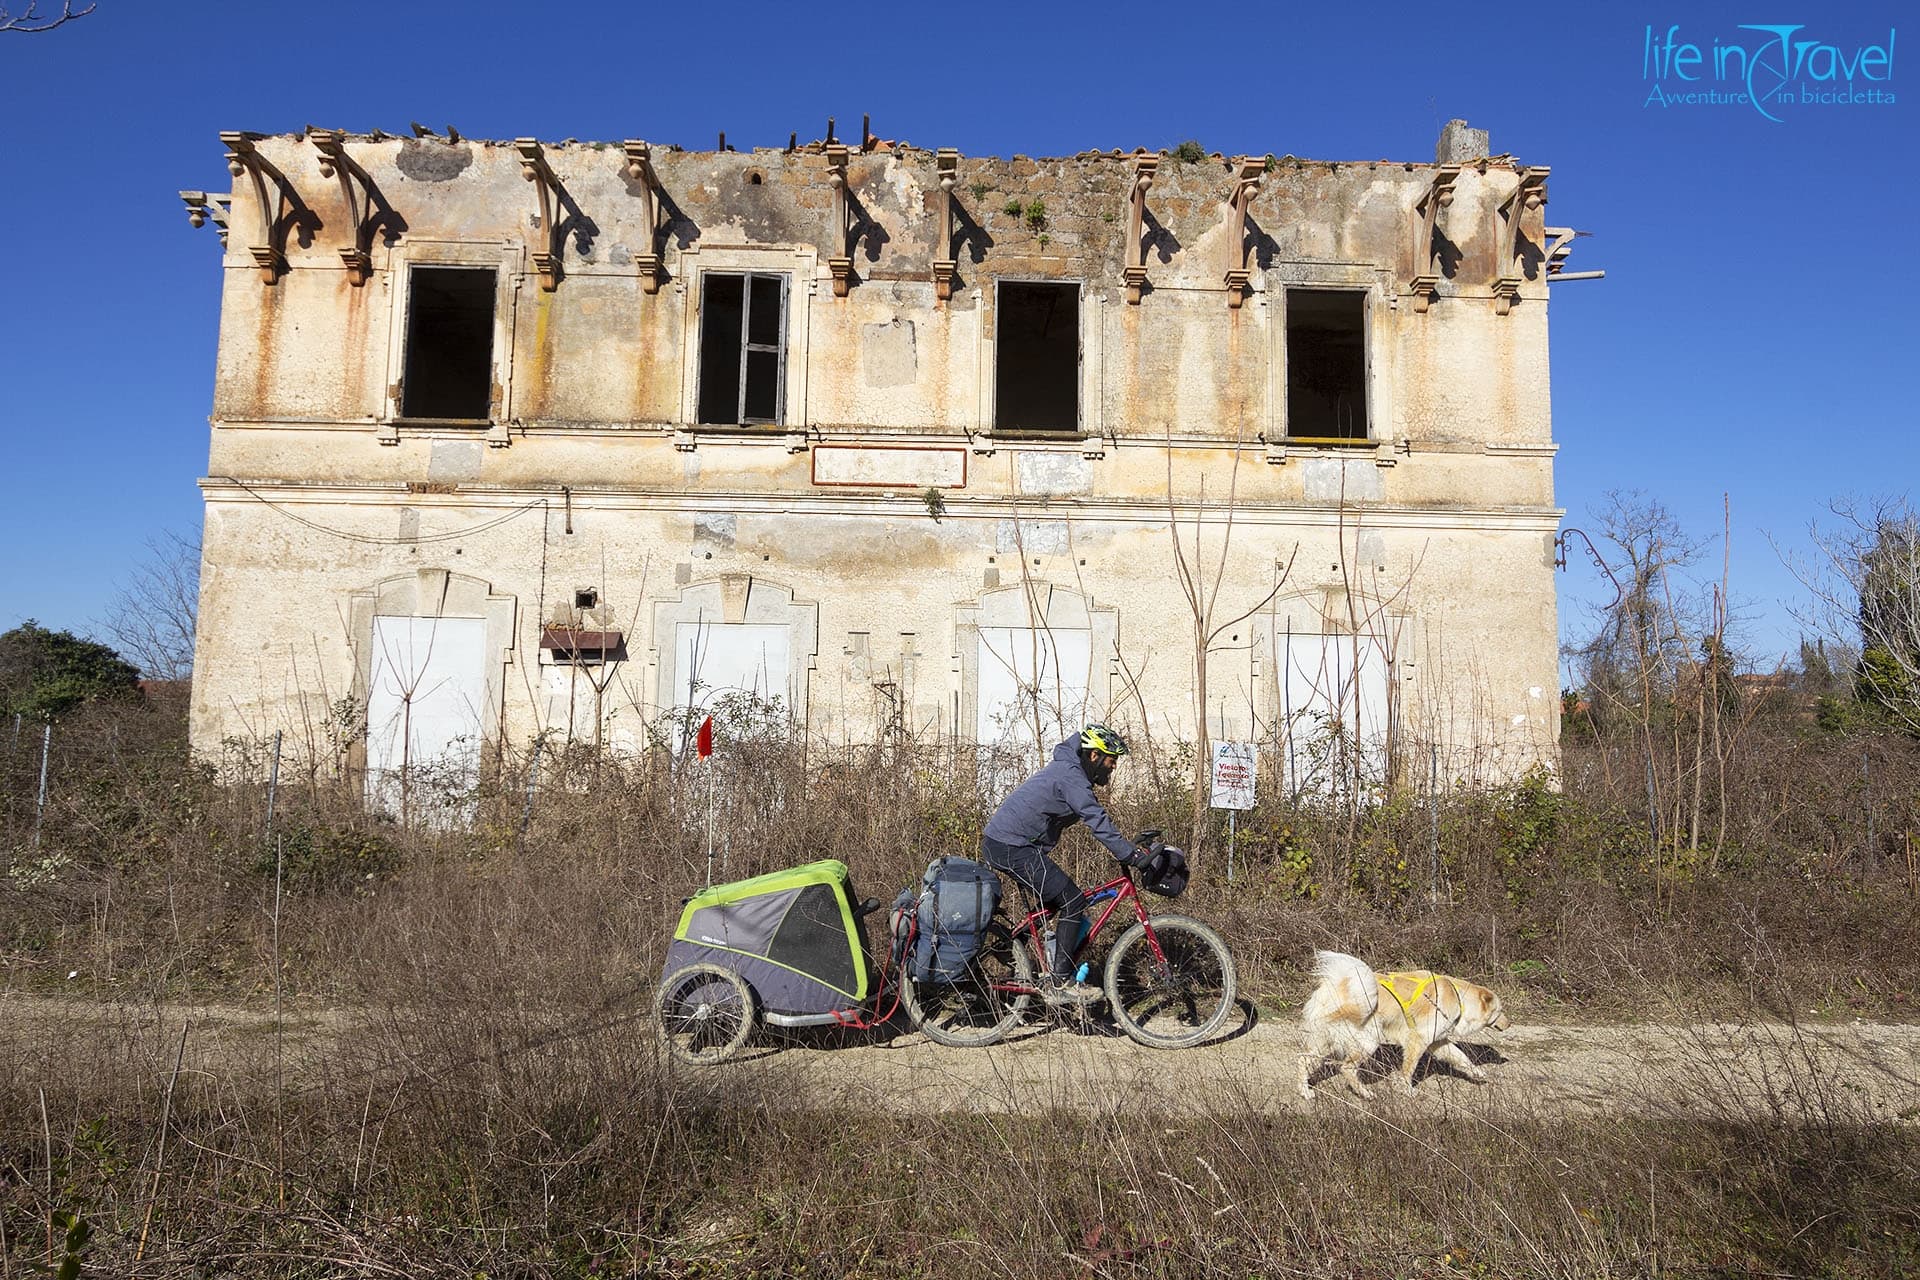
[(800, 920)]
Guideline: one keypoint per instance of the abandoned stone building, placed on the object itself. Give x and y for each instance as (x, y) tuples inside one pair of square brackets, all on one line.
[(522, 439)]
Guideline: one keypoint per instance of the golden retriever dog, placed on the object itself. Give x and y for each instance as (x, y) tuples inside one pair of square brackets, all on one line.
[(1355, 1010)]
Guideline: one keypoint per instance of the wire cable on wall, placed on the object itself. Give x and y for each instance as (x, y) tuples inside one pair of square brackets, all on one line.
[(448, 536)]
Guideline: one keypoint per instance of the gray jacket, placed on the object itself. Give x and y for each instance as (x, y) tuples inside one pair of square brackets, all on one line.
[(1041, 809)]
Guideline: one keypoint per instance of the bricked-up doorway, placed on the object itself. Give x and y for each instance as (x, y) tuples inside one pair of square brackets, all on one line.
[(449, 360), (1037, 357), (1327, 364), (743, 341)]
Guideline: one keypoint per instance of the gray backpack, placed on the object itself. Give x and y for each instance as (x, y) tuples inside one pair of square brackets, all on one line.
[(958, 898)]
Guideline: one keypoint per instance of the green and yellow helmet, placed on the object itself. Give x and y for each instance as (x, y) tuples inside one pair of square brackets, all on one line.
[(1098, 737)]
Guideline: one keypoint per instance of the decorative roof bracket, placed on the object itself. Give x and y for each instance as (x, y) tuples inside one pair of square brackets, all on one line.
[(840, 262), (202, 209), (1425, 285), (1529, 194), (358, 193), (1246, 185), (535, 169), (946, 262), (1135, 270), (269, 255), (652, 197)]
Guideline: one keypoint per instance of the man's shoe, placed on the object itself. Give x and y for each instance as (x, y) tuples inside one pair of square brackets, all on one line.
[(1067, 993)]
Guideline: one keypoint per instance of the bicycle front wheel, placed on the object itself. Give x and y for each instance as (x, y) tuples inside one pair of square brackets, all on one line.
[(977, 1009), (1178, 998)]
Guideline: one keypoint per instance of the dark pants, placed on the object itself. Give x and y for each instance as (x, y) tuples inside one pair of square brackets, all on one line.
[(1043, 879)]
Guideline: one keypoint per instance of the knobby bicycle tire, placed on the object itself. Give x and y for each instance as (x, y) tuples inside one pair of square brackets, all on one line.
[(1180, 1003), (973, 1012)]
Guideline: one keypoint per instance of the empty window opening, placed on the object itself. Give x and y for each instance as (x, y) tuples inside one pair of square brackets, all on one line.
[(743, 327), (1327, 364), (449, 363), (1037, 357)]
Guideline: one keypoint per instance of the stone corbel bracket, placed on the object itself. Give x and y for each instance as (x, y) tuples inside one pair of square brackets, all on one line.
[(1425, 285), (1528, 195), (946, 262), (1246, 185), (840, 261), (202, 209), (652, 199), (535, 169), (1135, 270), (357, 191), (243, 159)]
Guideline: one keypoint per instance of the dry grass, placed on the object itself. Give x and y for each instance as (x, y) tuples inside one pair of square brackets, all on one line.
[(501, 1109)]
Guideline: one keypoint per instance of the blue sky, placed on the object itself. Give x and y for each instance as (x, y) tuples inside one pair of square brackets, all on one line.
[(1755, 335)]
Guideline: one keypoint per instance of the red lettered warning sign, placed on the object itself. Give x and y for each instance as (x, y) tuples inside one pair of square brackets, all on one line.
[(1235, 770)]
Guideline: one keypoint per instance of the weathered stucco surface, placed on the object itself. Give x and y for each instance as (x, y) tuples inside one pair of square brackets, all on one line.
[(590, 473)]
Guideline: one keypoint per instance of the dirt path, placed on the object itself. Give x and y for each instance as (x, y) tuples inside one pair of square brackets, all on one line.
[(1857, 1070)]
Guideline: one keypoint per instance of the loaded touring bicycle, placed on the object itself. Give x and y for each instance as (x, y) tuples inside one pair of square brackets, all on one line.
[(788, 950)]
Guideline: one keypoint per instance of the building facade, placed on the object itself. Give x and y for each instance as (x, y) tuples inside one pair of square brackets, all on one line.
[(520, 439)]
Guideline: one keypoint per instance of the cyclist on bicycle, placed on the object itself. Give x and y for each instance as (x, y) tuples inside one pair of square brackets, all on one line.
[(1021, 835)]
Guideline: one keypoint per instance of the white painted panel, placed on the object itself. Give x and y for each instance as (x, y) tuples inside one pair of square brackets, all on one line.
[(1334, 709), (426, 704), (898, 468), (1032, 678), (713, 659)]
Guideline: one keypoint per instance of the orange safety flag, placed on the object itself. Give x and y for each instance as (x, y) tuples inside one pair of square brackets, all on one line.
[(704, 743)]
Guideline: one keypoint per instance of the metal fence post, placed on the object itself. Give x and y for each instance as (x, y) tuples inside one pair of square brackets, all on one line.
[(1433, 818), (1869, 863), (526, 810), (40, 804), (273, 788)]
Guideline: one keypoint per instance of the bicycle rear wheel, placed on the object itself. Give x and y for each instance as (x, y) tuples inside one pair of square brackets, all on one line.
[(1176, 1002), (975, 1010), (705, 1013)]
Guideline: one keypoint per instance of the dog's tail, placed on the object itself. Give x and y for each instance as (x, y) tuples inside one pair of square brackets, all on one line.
[(1338, 1016)]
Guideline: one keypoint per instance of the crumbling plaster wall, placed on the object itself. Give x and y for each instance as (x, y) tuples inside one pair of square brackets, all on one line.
[(1178, 393)]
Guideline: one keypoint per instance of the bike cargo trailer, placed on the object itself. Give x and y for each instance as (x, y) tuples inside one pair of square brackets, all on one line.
[(793, 936)]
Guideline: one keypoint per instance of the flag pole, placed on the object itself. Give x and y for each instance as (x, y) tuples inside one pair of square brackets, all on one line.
[(703, 744)]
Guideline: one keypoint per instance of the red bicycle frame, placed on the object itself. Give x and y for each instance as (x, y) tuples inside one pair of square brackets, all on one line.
[(1115, 891)]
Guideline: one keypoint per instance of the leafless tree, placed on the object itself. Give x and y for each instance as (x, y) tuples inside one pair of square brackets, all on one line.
[(1200, 585), (30, 21), (1865, 580), (152, 619)]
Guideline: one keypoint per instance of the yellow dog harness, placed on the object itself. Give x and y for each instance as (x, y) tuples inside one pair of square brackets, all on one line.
[(1420, 984)]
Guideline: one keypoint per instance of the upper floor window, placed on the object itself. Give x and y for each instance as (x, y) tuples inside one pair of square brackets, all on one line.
[(743, 347), (1036, 385), (449, 354), (1327, 364)]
